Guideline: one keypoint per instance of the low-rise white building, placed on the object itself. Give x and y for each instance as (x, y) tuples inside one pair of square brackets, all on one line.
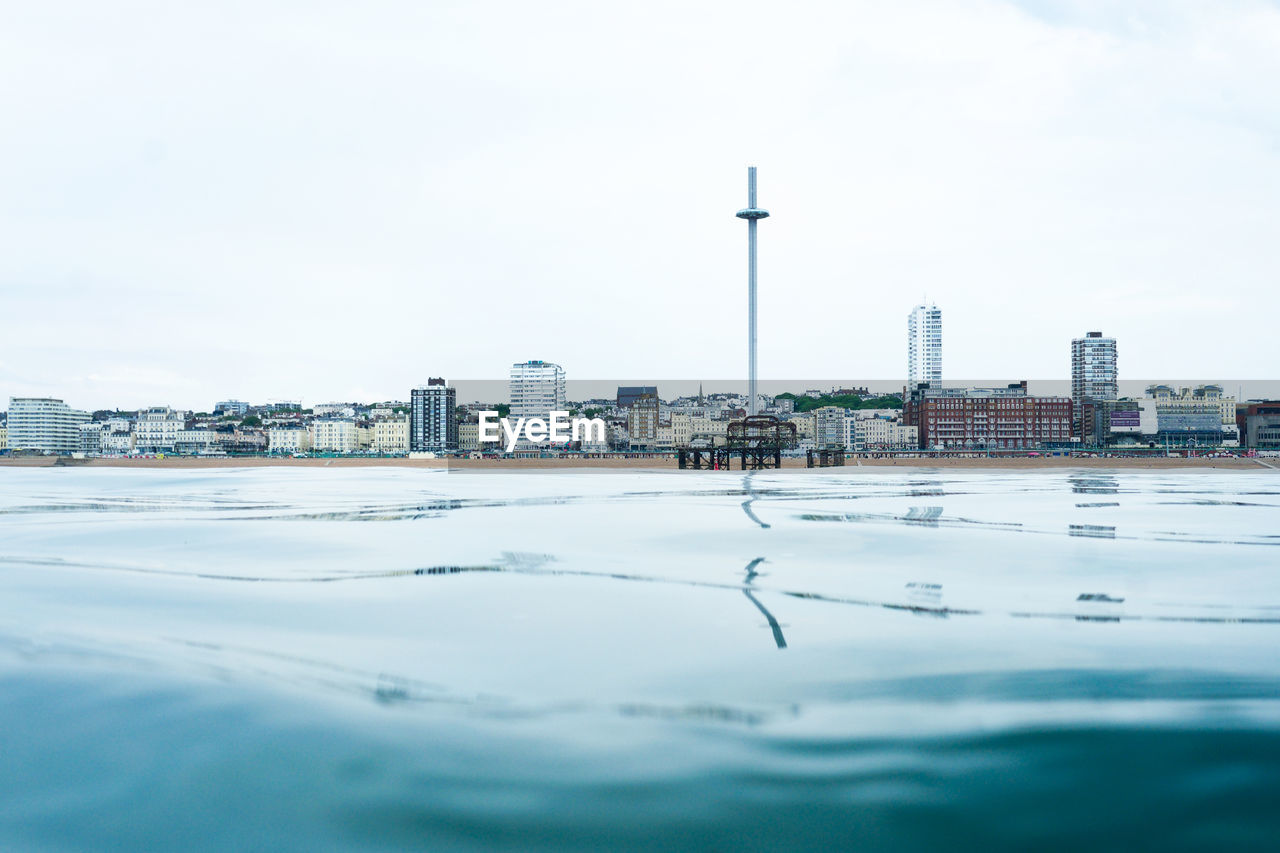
[(194, 441), (116, 442)]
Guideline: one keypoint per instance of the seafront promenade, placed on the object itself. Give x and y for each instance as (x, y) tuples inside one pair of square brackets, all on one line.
[(1021, 463)]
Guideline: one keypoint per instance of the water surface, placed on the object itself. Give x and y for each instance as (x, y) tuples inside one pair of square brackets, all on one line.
[(385, 658)]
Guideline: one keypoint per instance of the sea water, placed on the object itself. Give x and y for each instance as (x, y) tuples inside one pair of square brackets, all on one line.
[(322, 658)]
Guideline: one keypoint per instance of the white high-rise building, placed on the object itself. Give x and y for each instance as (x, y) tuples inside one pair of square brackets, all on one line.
[(1093, 377), (924, 345), (537, 389), (44, 424), (1093, 369)]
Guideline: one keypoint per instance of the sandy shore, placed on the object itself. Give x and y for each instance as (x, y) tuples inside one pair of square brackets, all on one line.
[(1022, 464)]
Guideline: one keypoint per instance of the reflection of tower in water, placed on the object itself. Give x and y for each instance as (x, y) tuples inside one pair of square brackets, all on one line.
[(780, 640)]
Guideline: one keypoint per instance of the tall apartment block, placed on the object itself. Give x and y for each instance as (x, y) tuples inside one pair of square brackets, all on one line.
[(537, 388), (44, 424), (642, 415), (924, 345), (1093, 377), (433, 425)]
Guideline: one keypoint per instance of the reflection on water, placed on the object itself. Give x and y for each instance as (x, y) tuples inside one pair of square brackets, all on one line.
[(752, 574), (542, 661), (1094, 484)]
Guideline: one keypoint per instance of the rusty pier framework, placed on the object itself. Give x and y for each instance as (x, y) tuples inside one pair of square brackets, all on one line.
[(756, 441)]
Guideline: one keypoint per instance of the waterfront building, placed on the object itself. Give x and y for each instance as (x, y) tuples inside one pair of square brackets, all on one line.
[(879, 432), (1262, 425), (1196, 416), (391, 435), (828, 427), (1165, 395), (91, 438), (288, 440), (1119, 422), (1093, 377), (924, 345), (433, 420), (804, 422), (116, 442), (536, 389), (156, 429), (238, 441), (469, 435), (642, 416), (986, 418), (44, 424), (4, 437), (687, 429), (194, 440), (333, 435)]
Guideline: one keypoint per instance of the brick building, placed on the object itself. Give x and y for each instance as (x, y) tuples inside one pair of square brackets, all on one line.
[(986, 418)]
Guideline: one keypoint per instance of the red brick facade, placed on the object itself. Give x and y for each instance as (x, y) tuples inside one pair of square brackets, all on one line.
[(996, 418)]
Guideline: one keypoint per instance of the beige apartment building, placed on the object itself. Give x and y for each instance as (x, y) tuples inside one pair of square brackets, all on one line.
[(685, 428), (804, 425), (4, 438), (469, 435), (391, 435)]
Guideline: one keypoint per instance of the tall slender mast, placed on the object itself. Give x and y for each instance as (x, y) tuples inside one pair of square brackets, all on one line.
[(751, 213)]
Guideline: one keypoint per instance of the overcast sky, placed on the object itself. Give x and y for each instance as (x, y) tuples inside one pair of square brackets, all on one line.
[(334, 201)]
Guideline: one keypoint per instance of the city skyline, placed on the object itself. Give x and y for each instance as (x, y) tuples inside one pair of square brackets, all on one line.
[(158, 242)]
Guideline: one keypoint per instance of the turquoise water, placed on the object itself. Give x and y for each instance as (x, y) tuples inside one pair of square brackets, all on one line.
[(317, 659)]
